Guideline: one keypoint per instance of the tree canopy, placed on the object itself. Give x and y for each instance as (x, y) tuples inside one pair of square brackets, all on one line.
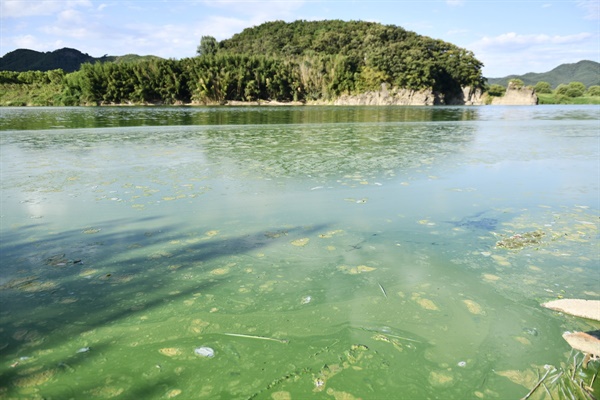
[(281, 61), (405, 59)]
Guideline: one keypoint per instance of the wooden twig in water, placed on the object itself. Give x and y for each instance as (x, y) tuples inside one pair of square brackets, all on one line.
[(257, 337), (556, 377), (574, 367), (547, 391), (390, 335), (382, 290), (536, 386)]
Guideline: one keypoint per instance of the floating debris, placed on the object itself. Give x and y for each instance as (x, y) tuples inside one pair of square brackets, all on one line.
[(170, 351), (285, 341), (425, 303), (586, 342), (578, 307), (173, 393), (355, 270), (300, 242), (531, 331), (330, 234), (441, 379), (205, 352), (521, 240), (382, 290), (474, 307), (58, 260), (537, 385), (306, 300), (84, 350)]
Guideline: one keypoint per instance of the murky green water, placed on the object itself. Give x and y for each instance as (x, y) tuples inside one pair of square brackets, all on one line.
[(322, 252)]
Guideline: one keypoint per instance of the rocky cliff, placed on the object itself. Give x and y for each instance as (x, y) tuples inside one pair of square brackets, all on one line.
[(516, 96), (389, 97), (405, 97)]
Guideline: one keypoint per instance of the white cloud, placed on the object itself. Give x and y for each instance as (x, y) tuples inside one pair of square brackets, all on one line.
[(457, 32), (70, 16), (224, 27), (512, 53), (592, 8), (455, 3), (70, 24), (263, 10), (28, 8), (25, 41), (514, 40)]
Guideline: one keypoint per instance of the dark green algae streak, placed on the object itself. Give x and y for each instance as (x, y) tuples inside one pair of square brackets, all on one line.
[(328, 252)]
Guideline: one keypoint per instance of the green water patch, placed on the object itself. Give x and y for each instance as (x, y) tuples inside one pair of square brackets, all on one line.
[(357, 255), (288, 312)]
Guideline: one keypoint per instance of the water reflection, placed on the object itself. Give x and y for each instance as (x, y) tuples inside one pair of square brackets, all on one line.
[(25, 118)]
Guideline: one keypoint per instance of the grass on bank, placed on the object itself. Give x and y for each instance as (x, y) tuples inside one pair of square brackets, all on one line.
[(550, 98)]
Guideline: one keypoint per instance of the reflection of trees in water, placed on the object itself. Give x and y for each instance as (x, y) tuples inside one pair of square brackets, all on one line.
[(102, 117)]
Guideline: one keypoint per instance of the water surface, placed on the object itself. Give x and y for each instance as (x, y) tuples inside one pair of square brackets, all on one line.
[(333, 252)]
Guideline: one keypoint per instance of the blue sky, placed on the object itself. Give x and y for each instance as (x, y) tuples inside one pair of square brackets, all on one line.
[(509, 37)]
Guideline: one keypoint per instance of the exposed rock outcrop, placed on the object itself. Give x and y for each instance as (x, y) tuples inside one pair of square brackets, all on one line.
[(467, 97), (389, 97), (406, 97), (516, 96)]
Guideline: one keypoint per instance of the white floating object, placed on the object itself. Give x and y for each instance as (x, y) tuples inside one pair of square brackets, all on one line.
[(578, 307), (306, 300), (583, 341), (205, 352)]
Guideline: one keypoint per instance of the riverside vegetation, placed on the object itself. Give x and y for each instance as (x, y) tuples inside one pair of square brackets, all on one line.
[(299, 61), (571, 93)]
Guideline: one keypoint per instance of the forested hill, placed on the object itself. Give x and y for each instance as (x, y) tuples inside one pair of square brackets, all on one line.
[(586, 72), (391, 53), (67, 59), (298, 61)]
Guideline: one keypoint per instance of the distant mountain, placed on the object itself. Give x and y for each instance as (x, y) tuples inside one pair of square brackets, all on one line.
[(67, 59), (586, 72)]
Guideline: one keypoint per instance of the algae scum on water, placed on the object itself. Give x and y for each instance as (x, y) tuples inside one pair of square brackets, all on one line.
[(286, 253)]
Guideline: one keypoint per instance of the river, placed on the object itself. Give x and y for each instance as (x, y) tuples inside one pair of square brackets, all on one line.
[(295, 252)]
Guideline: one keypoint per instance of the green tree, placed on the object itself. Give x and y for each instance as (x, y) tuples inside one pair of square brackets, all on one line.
[(593, 90), (208, 46), (576, 89), (496, 90), (516, 83), (542, 87), (561, 89)]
